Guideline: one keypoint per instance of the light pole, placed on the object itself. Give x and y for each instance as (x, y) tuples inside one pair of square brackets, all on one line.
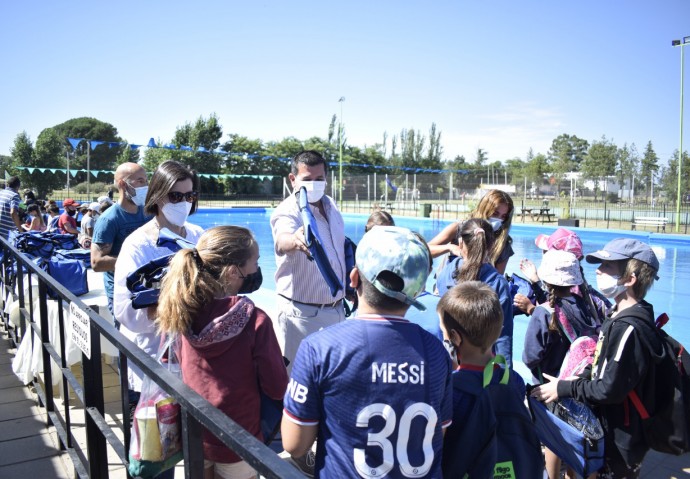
[(681, 44), (340, 161)]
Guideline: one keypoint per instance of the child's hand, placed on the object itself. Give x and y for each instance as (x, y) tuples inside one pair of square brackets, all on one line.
[(547, 392), (523, 303), (529, 270)]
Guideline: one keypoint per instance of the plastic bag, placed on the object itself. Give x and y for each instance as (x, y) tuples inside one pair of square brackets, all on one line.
[(155, 444)]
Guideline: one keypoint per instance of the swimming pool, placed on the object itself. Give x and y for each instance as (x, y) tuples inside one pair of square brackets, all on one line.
[(670, 294)]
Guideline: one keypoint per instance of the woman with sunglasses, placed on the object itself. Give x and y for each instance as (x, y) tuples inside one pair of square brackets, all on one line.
[(172, 196)]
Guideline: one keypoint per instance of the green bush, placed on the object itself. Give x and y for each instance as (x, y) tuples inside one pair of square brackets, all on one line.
[(97, 188)]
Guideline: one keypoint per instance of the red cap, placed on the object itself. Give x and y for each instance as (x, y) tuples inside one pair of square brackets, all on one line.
[(70, 202)]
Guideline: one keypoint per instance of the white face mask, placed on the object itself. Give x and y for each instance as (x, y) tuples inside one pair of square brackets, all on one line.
[(608, 285), (495, 223), (315, 189), (139, 197), (177, 213)]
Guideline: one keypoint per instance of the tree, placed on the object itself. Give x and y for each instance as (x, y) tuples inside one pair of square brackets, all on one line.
[(649, 167), (626, 168), (49, 153), (433, 157), (21, 154), (536, 168), (566, 154), (481, 158), (669, 178), (600, 162), (103, 156)]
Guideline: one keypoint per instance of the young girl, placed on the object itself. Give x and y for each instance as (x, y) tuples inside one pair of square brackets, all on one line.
[(628, 347), (37, 223), (228, 350), (497, 208), (555, 324), (475, 243)]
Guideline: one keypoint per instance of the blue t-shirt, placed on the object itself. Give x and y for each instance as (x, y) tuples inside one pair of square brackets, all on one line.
[(380, 391), (112, 228), (426, 319), (488, 275)]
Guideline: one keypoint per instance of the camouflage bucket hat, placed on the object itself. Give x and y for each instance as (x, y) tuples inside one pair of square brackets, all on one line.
[(398, 250)]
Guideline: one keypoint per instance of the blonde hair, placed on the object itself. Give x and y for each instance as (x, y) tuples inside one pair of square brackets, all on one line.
[(194, 275), (478, 237), (473, 310), (486, 208)]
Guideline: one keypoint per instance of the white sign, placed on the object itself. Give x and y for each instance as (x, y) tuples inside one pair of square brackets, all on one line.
[(80, 330)]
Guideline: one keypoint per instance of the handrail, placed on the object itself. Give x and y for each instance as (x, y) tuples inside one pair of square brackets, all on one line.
[(196, 412)]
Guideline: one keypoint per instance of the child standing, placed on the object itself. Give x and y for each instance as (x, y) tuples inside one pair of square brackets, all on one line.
[(471, 320), (229, 352), (625, 359), (555, 324), (559, 321), (475, 242)]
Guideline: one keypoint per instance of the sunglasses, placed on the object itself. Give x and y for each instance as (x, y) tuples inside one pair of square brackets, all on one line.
[(189, 197)]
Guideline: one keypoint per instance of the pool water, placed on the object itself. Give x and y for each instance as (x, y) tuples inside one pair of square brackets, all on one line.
[(670, 294)]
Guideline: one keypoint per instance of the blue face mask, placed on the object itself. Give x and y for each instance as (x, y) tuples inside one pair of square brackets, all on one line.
[(496, 223)]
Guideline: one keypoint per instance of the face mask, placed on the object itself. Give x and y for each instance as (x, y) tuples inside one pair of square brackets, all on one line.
[(71, 213), (495, 223), (452, 352), (139, 197), (315, 190), (177, 213), (608, 285), (251, 282)]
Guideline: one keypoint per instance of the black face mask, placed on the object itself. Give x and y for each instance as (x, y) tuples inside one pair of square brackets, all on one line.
[(251, 282), (71, 213)]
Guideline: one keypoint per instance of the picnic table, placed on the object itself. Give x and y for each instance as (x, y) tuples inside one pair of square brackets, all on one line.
[(544, 212)]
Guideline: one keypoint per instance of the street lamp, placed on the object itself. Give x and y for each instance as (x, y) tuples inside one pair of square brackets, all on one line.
[(340, 161), (681, 44)]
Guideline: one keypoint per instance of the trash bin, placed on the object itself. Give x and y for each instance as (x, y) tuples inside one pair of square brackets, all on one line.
[(425, 210)]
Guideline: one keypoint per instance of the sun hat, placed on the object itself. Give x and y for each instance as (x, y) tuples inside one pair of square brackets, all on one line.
[(95, 206), (70, 202), (561, 239), (625, 248), (560, 268), (399, 251)]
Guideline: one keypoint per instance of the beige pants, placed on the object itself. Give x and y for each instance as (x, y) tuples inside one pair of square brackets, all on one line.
[(235, 470), (296, 321)]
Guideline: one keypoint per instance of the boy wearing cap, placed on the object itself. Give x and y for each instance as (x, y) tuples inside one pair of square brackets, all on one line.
[(67, 224), (627, 350), (377, 388)]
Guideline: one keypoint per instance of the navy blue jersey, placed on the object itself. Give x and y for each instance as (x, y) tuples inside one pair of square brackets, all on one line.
[(380, 390)]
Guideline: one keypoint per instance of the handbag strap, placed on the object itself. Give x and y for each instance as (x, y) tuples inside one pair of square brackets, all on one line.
[(489, 370)]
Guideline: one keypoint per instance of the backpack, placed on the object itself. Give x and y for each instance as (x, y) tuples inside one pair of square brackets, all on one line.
[(668, 429), (70, 273), (34, 244), (498, 439)]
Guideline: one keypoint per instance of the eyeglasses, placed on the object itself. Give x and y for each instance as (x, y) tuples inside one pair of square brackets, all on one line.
[(189, 197)]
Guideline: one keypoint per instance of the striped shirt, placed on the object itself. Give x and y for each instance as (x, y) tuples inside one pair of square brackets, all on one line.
[(9, 200), (296, 277)]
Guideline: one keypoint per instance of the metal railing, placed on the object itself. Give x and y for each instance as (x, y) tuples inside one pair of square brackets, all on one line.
[(196, 412)]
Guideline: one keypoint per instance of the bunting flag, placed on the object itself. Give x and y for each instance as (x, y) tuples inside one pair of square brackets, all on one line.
[(246, 156), (30, 170), (74, 142)]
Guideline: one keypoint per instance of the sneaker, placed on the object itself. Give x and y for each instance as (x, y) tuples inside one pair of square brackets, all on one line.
[(305, 463)]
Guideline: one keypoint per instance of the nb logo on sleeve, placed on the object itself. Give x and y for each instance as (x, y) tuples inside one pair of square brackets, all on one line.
[(297, 391)]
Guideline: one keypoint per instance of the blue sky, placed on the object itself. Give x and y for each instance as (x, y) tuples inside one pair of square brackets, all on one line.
[(499, 75)]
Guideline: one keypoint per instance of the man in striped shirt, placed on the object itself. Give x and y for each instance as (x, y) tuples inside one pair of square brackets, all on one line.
[(9, 207), (305, 300)]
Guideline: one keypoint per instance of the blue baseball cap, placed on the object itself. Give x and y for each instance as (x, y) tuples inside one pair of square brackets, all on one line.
[(625, 248), (399, 251)]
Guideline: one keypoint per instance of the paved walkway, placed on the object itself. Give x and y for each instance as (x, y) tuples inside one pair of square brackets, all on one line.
[(27, 447)]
